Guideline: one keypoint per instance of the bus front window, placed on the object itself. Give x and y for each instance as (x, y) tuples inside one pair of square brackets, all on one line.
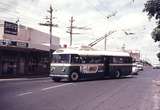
[(60, 58)]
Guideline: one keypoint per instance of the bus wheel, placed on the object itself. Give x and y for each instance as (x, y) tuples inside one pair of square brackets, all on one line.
[(117, 74), (74, 76)]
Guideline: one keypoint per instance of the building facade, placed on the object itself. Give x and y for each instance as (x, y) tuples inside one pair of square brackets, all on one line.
[(24, 50)]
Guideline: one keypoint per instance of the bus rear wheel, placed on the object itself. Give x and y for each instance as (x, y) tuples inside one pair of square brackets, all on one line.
[(74, 76)]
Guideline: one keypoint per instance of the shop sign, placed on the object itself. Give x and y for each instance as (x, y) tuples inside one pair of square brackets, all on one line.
[(4, 42), (10, 28), (13, 43)]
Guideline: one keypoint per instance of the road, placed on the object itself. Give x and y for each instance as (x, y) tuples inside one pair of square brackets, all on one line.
[(140, 92)]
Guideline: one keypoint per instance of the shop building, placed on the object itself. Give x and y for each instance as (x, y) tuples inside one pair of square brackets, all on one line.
[(24, 50)]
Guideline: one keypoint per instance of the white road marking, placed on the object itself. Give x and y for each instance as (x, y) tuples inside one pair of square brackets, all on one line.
[(26, 93), (52, 87), (44, 89)]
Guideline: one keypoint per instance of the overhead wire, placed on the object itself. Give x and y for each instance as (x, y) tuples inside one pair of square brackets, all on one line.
[(97, 9)]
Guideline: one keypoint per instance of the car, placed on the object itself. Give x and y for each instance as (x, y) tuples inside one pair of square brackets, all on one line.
[(135, 69), (156, 66), (140, 67)]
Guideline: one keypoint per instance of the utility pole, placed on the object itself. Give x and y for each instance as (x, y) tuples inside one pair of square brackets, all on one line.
[(74, 27), (71, 30), (50, 24)]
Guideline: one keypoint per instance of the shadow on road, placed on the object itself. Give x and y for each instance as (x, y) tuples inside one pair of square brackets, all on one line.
[(97, 79)]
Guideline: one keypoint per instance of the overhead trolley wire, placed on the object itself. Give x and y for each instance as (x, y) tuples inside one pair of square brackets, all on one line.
[(98, 10)]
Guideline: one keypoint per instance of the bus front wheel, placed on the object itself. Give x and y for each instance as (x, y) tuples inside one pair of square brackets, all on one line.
[(117, 74), (74, 76)]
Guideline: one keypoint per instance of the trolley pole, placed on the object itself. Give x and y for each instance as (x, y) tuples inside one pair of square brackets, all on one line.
[(105, 42)]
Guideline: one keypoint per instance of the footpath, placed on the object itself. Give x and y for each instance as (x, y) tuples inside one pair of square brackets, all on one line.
[(31, 78)]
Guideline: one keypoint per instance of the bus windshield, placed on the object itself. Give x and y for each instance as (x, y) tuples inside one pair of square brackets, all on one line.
[(60, 58)]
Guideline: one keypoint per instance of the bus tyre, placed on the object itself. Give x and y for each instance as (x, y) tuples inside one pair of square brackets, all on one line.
[(74, 76), (117, 74)]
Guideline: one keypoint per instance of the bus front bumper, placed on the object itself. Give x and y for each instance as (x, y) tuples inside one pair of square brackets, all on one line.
[(59, 76)]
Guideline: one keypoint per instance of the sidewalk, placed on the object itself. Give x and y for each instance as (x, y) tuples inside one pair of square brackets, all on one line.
[(24, 79)]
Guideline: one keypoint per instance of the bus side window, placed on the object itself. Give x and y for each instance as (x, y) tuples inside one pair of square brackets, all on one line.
[(91, 60), (118, 60), (83, 59), (127, 60), (75, 59), (110, 59), (121, 60), (99, 59), (114, 60)]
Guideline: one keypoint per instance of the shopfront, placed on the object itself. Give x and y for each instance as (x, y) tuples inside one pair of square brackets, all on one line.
[(24, 50), (20, 62)]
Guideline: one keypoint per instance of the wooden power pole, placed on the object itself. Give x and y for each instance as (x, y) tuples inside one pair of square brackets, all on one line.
[(50, 24), (71, 30), (74, 27)]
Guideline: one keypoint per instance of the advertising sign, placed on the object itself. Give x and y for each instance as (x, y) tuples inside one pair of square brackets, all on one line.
[(13, 43), (10, 28)]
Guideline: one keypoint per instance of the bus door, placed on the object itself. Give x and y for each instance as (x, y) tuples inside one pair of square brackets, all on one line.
[(106, 66)]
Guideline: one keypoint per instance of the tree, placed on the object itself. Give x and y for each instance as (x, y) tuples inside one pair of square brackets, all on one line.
[(152, 7), (158, 56), (156, 34)]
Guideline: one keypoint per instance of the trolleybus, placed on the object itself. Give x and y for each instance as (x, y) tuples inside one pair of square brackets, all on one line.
[(74, 64)]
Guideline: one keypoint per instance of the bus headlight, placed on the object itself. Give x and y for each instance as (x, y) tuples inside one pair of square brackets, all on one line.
[(52, 69)]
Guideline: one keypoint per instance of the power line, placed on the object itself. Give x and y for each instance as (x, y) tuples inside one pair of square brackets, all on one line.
[(98, 10)]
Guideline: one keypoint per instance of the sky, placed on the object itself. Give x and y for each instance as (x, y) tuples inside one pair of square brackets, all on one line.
[(91, 14)]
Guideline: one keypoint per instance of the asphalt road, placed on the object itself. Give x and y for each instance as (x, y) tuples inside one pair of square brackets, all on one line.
[(140, 92)]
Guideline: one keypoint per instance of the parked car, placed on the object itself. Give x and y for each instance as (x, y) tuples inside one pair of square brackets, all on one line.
[(156, 66), (135, 69), (140, 66)]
